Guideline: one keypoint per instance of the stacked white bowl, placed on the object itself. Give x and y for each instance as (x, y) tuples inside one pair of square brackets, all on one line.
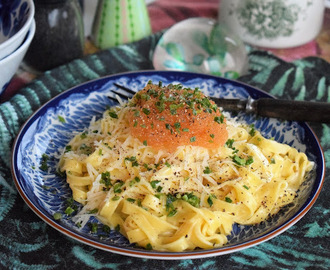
[(17, 28)]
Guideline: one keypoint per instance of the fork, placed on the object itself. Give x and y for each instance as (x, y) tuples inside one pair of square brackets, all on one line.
[(126, 95), (292, 110)]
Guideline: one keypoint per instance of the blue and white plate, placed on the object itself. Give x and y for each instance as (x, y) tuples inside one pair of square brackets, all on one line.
[(55, 123)]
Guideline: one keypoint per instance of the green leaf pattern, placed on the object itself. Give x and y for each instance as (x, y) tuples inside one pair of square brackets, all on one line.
[(213, 45)]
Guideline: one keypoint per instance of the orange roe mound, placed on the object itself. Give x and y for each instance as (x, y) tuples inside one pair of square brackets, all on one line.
[(171, 116)]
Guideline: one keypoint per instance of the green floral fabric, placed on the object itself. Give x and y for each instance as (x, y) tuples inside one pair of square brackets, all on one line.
[(26, 242)]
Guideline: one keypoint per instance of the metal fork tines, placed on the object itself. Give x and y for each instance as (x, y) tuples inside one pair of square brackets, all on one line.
[(124, 94)]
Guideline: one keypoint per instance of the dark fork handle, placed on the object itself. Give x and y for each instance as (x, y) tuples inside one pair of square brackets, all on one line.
[(309, 111)]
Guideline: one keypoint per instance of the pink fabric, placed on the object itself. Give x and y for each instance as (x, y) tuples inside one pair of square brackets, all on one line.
[(291, 54), (165, 13)]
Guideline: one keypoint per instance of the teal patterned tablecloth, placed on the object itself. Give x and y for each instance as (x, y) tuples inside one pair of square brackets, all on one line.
[(26, 242)]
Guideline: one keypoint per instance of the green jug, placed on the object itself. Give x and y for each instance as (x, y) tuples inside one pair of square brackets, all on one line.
[(120, 21)]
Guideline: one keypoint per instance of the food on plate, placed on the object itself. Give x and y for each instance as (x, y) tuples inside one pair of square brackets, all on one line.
[(170, 172)]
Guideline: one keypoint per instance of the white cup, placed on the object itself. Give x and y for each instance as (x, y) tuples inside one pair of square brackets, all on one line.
[(273, 23)]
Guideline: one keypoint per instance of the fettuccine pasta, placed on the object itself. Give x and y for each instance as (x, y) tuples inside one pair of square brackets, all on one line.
[(171, 173)]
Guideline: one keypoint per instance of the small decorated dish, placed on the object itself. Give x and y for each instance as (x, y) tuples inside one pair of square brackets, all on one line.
[(41, 141), (201, 45)]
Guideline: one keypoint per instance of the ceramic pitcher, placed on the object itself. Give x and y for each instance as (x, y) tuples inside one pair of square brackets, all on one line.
[(120, 21)]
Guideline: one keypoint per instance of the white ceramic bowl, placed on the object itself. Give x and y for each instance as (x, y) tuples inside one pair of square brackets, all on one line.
[(10, 64), (15, 21), (273, 23)]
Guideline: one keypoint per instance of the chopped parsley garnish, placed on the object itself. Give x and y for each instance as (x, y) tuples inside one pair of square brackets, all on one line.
[(230, 143), (174, 107), (177, 125), (113, 114), (145, 165), (206, 102), (61, 119), (146, 111), (57, 216), (192, 199), (169, 202), (69, 210), (46, 187), (83, 135), (134, 181), (70, 202), (145, 97), (219, 119), (172, 213), (193, 139), (160, 106), (93, 211), (137, 113), (154, 183), (228, 200), (210, 201), (106, 229), (117, 186), (133, 160), (173, 111), (106, 180), (167, 164), (249, 160), (246, 187), (93, 227), (87, 150), (238, 160), (241, 161), (139, 203), (43, 163), (252, 131), (108, 146), (207, 170)]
